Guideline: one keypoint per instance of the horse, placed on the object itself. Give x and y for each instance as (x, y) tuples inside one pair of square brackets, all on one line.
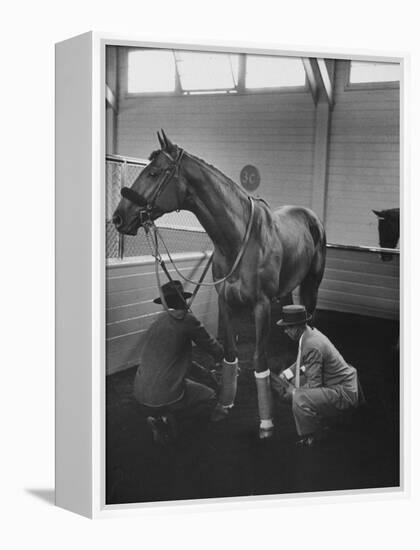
[(260, 255), (389, 230)]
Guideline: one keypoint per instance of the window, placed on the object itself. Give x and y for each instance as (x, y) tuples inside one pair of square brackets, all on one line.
[(362, 72), (207, 71), (151, 71), (186, 72), (273, 72)]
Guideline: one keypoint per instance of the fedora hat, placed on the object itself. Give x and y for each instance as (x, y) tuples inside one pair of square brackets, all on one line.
[(172, 289), (293, 315)]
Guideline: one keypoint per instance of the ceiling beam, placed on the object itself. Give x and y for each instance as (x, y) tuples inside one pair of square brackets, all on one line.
[(319, 79), (326, 80), (110, 98), (311, 76)]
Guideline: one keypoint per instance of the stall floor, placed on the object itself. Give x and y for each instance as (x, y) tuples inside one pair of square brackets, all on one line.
[(227, 459)]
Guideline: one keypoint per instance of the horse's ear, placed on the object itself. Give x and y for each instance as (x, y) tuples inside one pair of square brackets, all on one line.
[(161, 141), (378, 213), (169, 146)]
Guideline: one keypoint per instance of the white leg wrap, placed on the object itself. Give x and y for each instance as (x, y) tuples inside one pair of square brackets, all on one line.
[(229, 383), (267, 424), (265, 401)]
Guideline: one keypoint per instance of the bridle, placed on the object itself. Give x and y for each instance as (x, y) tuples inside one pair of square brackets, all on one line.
[(145, 215), (147, 206)]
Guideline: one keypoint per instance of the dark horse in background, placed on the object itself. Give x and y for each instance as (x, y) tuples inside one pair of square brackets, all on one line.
[(389, 230), (278, 250)]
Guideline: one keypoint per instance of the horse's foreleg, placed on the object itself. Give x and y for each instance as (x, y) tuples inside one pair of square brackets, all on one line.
[(230, 363), (226, 330), (262, 314)]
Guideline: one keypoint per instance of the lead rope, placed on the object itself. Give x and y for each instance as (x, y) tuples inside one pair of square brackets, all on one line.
[(154, 248)]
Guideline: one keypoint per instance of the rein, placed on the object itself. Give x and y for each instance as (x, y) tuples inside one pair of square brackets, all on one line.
[(159, 261)]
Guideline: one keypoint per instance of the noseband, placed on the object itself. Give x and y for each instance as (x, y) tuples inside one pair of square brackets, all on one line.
[(146, 206)]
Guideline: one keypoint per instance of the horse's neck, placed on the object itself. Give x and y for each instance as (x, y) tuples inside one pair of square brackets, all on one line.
[(220, 206)]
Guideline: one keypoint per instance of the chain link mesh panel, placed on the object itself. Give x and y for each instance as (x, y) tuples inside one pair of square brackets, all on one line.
[(113, 188), (181, 231)]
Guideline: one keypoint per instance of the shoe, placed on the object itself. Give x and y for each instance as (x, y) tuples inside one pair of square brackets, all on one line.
[(159, 431), (219, 413), (171, 426), (307, 441)]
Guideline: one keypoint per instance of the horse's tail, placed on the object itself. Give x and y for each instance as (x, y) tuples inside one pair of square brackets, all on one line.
[(308, 289), (317, 231)]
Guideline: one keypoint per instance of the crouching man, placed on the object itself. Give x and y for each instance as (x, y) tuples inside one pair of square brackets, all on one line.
[(320, 384), (163, 384)]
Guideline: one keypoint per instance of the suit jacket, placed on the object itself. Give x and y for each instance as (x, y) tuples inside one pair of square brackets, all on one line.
[(324, 365), (166, 357)]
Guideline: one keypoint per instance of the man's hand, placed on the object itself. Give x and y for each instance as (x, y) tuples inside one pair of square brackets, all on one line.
[(289, 390), (282, 386), (203, 375)]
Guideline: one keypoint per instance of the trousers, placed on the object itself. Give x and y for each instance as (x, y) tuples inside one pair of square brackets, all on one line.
[(312, 405), (198, 401)]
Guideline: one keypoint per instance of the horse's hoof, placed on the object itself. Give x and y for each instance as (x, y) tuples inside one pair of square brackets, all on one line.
[(266, 433)]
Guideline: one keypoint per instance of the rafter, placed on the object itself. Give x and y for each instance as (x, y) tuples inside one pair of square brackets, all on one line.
[(319, 79), (110, 98)]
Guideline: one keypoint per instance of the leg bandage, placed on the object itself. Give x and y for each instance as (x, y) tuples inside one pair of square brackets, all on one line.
[(265, 400), (229, 383)]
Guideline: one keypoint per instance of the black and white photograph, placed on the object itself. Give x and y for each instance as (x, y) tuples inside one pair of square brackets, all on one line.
[(252, 273)]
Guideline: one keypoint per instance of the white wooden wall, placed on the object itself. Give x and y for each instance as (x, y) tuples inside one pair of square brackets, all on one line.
[(360, 282), (354, 282), (131, 288), (275, 132), (363, 160)]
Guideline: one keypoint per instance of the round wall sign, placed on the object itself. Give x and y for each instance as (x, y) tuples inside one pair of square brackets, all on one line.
[(250, 177)]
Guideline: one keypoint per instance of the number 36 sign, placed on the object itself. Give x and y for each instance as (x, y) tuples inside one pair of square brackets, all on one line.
[(250, 177)]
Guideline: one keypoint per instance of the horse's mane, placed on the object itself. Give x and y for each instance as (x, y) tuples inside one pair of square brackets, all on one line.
[(218, 173)]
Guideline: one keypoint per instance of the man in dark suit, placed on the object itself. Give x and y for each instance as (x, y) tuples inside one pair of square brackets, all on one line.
[(320, 384), (163, 384)]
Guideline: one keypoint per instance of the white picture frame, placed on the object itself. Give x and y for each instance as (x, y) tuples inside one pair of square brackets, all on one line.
[(80, 277)]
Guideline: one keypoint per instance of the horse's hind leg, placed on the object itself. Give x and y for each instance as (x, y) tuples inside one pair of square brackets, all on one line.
[(308, 291)]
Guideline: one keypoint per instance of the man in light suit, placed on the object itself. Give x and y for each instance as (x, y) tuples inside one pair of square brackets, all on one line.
[(328, 385), (168, 385)]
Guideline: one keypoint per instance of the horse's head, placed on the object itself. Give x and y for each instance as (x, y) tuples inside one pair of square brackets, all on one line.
[(389, 229), (158, 189)]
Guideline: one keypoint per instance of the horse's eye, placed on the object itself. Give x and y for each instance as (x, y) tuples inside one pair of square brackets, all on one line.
[(153, 174)]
